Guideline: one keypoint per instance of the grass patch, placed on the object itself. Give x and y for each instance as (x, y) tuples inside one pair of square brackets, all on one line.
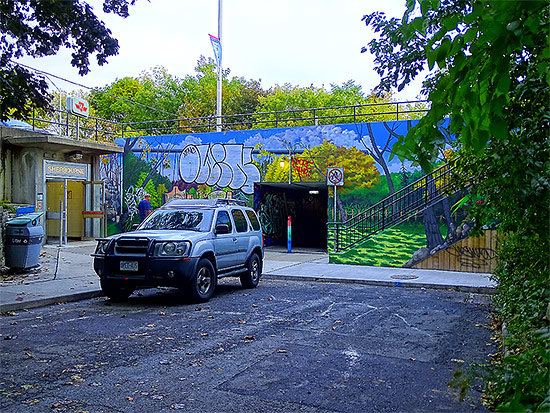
[(391, 248)]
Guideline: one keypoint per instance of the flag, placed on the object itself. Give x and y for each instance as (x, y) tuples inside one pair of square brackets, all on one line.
[(217, 46)]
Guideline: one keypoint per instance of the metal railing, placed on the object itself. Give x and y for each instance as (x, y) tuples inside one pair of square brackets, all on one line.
[(394, 209), (371, 112), (60, 122)]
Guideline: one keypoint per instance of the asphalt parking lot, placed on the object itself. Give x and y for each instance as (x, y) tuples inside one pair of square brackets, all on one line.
[(285, 346)]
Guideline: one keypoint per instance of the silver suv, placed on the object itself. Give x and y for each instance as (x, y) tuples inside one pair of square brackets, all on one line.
[(187, 244)]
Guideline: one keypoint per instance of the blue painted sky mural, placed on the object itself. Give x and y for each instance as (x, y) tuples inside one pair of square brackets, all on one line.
[(363, 136), (227, 163)]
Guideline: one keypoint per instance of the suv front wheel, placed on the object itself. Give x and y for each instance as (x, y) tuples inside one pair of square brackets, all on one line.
[(204, 281), (251, 277)]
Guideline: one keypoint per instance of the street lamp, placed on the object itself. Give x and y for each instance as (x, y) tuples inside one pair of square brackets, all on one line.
[(282, 165), (289, 166), (219, 92)]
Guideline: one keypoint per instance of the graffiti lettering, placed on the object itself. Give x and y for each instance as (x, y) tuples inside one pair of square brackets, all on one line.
[(475, 257), (189, 149), (273, 211), (228, 165)]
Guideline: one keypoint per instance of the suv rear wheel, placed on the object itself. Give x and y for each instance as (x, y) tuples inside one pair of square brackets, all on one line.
[(203, 283), (251, 277)]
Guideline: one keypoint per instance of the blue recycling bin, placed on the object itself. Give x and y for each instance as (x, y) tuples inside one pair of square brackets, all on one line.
[(24, 236)]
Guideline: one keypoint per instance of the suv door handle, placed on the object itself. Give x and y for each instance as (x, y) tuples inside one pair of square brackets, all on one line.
[(234, 239)]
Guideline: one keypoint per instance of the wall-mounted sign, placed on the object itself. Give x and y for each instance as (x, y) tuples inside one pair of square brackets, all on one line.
[(78, 106), (66, 170)]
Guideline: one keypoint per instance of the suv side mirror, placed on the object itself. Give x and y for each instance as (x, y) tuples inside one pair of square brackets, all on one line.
[(222, 229)]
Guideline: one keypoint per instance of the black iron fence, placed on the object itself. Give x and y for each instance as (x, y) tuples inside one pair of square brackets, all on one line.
[(63, 123), (394, 209), (60, 122)]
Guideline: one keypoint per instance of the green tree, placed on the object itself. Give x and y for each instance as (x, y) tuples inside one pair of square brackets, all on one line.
[(298, 102), (314, 105), (490, 61), (153, 96), (41, 28), (239, 96)]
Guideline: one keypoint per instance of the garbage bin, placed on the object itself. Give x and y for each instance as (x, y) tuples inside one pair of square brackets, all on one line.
[(23, 241)]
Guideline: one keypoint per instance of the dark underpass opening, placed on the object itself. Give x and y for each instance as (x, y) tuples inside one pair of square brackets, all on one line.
[(305, 203)]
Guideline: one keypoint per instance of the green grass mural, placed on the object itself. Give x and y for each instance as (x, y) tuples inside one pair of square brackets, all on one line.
[(391, 248)]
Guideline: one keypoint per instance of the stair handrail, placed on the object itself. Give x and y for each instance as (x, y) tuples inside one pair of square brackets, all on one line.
[(424, 186)]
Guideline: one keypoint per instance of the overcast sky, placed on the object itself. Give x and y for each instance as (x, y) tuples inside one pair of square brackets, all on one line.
[(302, 42)]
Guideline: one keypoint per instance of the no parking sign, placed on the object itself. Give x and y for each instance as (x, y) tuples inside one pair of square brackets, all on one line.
[(335, 176)]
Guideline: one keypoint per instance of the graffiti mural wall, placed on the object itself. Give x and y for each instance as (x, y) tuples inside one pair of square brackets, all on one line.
[(229, 164)]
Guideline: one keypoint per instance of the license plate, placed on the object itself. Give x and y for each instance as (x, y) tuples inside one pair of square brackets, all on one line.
[(128, 265)]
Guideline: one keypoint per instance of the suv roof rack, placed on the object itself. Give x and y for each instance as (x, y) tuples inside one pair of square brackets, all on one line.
[(223, 201), (178, 203)]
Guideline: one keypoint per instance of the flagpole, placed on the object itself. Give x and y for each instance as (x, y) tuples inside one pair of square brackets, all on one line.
[(219, 94)]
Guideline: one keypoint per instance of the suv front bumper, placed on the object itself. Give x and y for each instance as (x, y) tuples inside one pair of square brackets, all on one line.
[(146, 271)]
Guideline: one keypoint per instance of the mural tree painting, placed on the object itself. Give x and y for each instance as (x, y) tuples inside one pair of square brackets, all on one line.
[(311, 166), (492, 80), (359, 169), (380, 153), (371, 144)]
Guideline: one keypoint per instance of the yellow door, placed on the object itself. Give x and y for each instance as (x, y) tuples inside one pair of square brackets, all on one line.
[(75, 206), (54, 195)]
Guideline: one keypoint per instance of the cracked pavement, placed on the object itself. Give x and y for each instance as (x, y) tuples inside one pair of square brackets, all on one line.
[(285, 346)]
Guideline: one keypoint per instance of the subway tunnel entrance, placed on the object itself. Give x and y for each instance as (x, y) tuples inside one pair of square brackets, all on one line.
[(305, 203)]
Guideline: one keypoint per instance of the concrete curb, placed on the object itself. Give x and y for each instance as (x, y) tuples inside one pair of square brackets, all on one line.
[(379, 283), (77, 296), (41, 302)]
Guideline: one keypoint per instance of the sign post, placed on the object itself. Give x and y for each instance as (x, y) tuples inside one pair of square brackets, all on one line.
[(335, 177)]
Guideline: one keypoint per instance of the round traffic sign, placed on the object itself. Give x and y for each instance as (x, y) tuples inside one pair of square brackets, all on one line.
[(335, 176)]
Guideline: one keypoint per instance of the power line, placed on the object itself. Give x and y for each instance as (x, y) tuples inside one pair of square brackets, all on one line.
[(93, 88)]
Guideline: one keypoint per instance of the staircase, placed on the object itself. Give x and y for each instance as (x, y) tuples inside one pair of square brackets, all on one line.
[(394, 209)]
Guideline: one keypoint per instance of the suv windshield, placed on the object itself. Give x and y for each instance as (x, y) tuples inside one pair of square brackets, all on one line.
[(179, 219)]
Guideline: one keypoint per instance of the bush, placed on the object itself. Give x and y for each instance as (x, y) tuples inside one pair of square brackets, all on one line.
[(520, 380)]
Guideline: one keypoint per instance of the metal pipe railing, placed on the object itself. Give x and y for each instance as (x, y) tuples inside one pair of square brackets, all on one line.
[(97, 128), (395, 208)]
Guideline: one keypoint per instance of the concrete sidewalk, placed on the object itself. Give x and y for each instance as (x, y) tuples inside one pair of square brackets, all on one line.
[(66, 274)]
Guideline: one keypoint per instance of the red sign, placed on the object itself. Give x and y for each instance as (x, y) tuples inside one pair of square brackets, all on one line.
[(92, 212), (78, 106)]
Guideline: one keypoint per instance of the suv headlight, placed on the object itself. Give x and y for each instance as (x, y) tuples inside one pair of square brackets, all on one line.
[(102, 245), (172, 249)]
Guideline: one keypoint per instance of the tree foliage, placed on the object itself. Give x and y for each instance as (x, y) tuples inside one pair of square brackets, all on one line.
[(158, 95), (154, 95), (41, 28), (481, 49), (490, 64), (298, 103), (239, 95)]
